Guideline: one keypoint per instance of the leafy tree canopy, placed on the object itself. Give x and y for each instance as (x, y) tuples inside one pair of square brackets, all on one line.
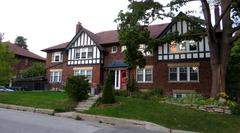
[(7, 60), (37, 69), (21, 42)]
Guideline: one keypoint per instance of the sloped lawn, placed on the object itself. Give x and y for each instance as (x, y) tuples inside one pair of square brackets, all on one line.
[(170, 116), (44, 99)]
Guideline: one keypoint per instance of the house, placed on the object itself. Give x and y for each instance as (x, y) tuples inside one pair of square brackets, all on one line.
[(178, 68), (24, 57)]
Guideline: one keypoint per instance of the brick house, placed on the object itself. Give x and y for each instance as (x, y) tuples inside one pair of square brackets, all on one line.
[(24, 57), (178, 68)]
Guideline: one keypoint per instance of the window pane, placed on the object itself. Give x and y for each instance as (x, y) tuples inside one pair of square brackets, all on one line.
[(148, 76), (57, 58), (89, 75), (84, 55), (139, 74), (193, 73), (114, 49), (90, 52), (192, 46), (173, 74), (173, 47), (51, 76), (82, 72), (182, 47), (183, 73)]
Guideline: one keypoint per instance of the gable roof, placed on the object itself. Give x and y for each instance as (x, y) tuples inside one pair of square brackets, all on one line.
[(23, 52), (108, 37)]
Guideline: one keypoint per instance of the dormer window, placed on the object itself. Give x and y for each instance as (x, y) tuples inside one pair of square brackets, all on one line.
[(114, 49), (57, 57)]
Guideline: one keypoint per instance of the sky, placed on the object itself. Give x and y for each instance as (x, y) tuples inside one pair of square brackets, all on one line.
[(46, 23)]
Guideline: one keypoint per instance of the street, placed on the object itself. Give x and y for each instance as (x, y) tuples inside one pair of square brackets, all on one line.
[(12, 121)]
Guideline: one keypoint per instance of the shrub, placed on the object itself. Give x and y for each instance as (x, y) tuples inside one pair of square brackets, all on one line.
[(108, 91), (235, 109), (121, 93), (132, 86), (77, 88), (156, 91)]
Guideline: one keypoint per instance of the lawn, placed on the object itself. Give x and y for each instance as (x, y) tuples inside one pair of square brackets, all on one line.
[(45, 99), (170, 116)]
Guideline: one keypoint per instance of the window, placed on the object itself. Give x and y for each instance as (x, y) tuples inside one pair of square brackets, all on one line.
[(183, 74), (55, 76), (184, 46), (57, 57), (114, 49), (83, 53), (142, 48), (90, 52), (84, 72), (144, 75), (123, 48)]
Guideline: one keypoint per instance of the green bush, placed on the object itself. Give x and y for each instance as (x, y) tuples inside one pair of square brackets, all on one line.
[(156, 91), (77, 88), (108, 91), (123, 93), (235, 109), (132, 86)]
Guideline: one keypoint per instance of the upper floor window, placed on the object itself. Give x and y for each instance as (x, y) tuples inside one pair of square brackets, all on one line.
[(114, 49), (84, 53), (84, 72), (184, 46), (144, 75), (184, 74), (55, 76), (123, 48), (142, 48), (57, 57)]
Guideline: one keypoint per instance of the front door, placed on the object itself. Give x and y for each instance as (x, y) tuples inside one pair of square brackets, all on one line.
[(118, 78)]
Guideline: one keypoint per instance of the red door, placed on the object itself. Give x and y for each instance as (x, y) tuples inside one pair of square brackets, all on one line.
[(123, 79)]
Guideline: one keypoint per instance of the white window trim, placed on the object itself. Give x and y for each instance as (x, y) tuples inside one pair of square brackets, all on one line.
[(112, 51), (85, 69), (144, 74), (52, 80), (123, 48), (54, 54), (178, 75), (85, 49)]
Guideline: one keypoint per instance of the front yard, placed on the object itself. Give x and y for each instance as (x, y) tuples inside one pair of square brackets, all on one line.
[(170, 116), (58, 101)]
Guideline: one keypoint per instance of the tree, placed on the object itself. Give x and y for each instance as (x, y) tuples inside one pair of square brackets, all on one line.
[(21, 42), (1, 36), (7, 60), (37, 69), (220, 40), (108, 91)]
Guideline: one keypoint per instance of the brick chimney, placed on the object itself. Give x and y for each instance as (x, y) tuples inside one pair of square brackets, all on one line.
[(78, 27)]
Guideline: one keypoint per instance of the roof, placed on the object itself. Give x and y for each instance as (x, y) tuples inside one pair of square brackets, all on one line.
[(117, 64), (23, 52), (108, 37)]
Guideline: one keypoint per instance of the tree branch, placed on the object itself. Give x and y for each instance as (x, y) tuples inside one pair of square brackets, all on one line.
[(221, 16)]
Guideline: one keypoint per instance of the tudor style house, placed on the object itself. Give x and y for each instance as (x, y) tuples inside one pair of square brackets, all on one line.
[(177, 68)]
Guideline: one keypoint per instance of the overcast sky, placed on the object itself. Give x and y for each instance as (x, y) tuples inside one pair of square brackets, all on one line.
[(50, 22)]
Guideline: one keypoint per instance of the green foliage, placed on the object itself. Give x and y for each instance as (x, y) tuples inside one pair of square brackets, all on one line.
[(7, 60), (233, 72), (21, 42), (132, 86), (37, 69), (108, 91), (123, 93), (235, 109), (77, 88)]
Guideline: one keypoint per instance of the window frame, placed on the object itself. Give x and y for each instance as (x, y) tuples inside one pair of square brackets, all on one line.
[(187, 46), (114, 51), (55, 76), (144, 74), (57, 54), (178, 80), (78, 71)]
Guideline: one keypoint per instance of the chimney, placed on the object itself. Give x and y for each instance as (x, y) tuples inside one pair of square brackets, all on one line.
[(78, 27), (217, 16)]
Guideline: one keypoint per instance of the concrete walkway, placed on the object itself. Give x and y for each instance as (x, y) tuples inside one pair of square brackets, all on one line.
[(87, 104)]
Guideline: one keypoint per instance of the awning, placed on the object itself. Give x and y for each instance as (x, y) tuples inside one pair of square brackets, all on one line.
[(117, 64)]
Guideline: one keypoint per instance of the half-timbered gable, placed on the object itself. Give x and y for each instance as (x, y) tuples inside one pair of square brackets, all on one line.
[(188, 49), (83, 49)]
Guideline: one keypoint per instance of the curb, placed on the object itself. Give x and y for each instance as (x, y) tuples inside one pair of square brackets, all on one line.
[(29, 109), (121, 122)]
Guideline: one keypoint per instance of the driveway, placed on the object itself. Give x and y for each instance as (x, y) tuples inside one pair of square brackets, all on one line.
[(12, 121)]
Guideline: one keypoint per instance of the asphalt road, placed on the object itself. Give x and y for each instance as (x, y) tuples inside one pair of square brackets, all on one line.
[(12, 121)]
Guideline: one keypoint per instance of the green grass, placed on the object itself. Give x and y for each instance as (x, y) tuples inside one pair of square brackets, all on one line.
[(51, 100), (170, 116)]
